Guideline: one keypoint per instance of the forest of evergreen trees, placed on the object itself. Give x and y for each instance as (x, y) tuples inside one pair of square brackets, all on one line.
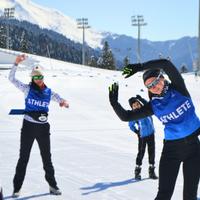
[(30, 38)]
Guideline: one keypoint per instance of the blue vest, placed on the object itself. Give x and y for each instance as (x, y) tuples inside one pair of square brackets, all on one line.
[(177, 113), (145, 126), (38, 100)]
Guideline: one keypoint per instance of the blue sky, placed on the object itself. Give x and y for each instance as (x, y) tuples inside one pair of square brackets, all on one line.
[(166, 19)]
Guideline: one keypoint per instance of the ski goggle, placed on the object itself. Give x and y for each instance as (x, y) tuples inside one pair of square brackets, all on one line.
[(38, 77), (154, 82)]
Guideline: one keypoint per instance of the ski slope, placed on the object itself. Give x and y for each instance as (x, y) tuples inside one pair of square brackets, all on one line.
[(93, 152)]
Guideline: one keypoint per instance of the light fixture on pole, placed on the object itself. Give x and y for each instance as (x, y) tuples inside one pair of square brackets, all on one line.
[(138, 21), (8, 14), (82, 23)]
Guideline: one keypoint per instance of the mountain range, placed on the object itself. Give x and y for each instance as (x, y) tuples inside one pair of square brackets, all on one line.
[(181, 51)]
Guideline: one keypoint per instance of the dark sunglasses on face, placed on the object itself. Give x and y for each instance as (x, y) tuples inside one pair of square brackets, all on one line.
[(154, 82), (39, 77)]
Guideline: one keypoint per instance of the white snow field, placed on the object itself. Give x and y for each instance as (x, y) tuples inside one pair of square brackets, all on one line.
[(93, 152)]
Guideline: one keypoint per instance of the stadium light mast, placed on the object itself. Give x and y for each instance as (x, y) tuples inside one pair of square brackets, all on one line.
[(82, 23), (8, 14), (138, 21)]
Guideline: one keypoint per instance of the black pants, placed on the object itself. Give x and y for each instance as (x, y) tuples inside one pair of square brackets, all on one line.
[(186, 151), (30, 132), (150, 142)]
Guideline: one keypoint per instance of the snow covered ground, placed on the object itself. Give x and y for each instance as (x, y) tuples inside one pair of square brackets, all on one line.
[(93, 151)]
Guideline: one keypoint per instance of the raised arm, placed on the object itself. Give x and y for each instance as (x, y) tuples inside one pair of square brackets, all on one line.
[(171, 71), (142, 100), (127, 115), (164, 64), (23, 87)]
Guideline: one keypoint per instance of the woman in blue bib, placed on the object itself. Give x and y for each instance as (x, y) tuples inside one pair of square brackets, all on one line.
[(171, 103), (35, 125)]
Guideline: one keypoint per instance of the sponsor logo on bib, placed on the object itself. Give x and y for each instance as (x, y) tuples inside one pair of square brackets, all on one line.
[(42, 118)]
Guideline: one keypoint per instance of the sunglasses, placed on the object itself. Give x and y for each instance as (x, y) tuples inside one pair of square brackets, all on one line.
[(154, 82), (39, 77)]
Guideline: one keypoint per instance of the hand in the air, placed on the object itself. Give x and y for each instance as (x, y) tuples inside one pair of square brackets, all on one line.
[(20, 58), (113, 93), (131, 69)]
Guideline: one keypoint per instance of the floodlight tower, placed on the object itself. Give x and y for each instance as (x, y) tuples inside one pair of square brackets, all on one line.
[(82, 23), (8, 14), (138, 21)]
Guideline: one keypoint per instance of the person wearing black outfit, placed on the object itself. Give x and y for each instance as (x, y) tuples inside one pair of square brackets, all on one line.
[(172, 104), (144, 129), (35, 125)]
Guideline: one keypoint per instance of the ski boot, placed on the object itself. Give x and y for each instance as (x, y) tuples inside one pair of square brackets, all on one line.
[(152, 174), (16, 194), (54, 190), (138, 172)]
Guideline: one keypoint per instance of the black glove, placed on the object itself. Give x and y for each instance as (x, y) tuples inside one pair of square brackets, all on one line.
[(131, 69), (138, 96), (144, 101), (113, 93)]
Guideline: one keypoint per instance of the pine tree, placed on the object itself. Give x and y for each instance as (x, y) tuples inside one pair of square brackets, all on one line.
[(183, 68), (23, 43), (2, 36), (126, 61), (92, 61), (107, 61)]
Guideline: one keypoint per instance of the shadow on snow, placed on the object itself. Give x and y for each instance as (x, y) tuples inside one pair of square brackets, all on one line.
[(103, 186), (28, 197)]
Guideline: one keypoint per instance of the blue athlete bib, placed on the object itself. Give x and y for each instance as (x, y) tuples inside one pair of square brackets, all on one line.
[(38, 100), (177, 113)]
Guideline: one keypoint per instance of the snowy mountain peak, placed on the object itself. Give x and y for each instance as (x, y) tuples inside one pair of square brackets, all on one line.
[(51, 19)]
